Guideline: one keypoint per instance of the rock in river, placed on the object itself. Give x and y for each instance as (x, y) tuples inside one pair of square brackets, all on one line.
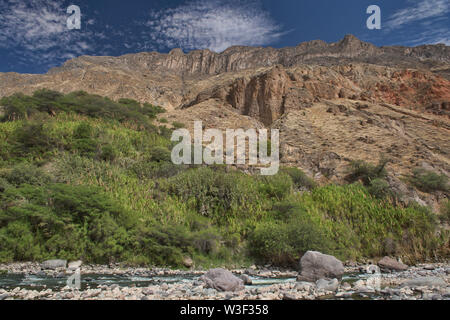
[(222, 280), (315, 265)]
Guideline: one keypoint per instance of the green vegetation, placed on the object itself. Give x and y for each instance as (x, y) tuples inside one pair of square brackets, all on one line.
[(84, 177), (429, 181), (445, 212)]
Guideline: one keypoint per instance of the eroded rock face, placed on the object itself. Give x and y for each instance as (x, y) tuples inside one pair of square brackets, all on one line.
[(222, 280), (315, 266)]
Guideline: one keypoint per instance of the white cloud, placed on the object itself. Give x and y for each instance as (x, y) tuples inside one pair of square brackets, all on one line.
[(418, 11), (423, 22), (37, 31), (215, 25)]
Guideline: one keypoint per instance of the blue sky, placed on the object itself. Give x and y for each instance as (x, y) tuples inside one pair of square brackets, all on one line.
[(34, 35)]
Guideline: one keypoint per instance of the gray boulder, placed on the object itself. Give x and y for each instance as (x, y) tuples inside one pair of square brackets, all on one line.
[(392, 264), (327, 285), (222, 280), (54, 264), (315, 266)]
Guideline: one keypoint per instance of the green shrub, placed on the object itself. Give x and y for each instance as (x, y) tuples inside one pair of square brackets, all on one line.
[(108, 153), (299, 178), (366, 172), (283, 242), (27, 173), (83, 131), (32, 138), (445, 211), (277, 186), (380, 188), (160, 154), (429, 181)]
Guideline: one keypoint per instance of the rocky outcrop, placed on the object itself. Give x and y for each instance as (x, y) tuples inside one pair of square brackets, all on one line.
[(315, 266)]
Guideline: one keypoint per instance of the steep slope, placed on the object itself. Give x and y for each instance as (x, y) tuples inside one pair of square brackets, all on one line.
[(332, 102)]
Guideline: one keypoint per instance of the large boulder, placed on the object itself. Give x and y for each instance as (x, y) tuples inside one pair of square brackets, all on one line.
[(388, 263), (315, 265), (54, 264), (222, 280)]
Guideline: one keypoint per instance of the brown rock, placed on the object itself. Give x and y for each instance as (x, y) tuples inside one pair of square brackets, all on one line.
[(391, 264)]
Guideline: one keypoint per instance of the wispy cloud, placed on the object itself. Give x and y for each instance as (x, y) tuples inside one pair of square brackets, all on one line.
[(418, 11), (37, 31), (214, 25), (422, 22)]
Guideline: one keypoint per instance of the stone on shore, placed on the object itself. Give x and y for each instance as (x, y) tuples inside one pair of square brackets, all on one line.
[(315, 266), (222, 280), (392, 264), (54, 264)]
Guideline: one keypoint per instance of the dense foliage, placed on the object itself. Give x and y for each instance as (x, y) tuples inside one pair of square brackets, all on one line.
[(84, 177)]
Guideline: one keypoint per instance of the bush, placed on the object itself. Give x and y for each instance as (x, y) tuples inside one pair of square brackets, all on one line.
[(380, 189), (277, 186), (27, 173), (160, 154), (83, 131), (429, 181), (108, 153), (283, 241), (33, 139), (366, 172), (299, 178), (445, 212)]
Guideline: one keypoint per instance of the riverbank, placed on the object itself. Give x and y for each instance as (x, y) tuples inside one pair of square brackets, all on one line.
[(26, 281)]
